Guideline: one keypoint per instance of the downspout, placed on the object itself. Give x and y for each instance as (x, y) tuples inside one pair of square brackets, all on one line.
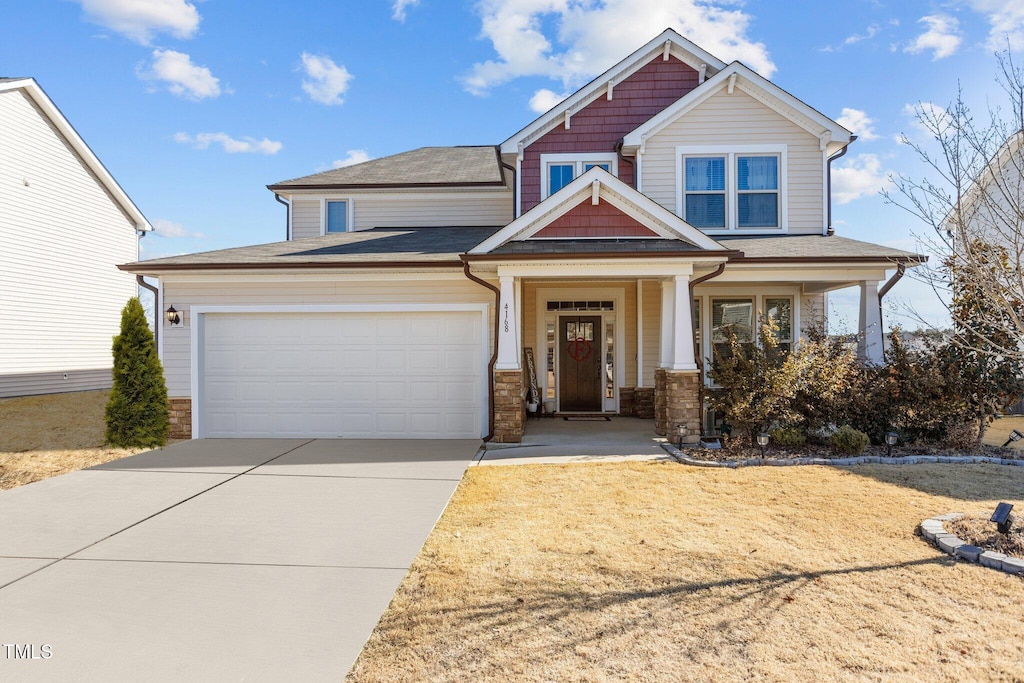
[(287, 216), (622, 157), (156, 314), (494, 356), (700, 361), (828, 181), (513, 170), (901, 268)]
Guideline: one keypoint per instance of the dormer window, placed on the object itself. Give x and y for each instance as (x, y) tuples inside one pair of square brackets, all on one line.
[(732, 188), (336, 215), (558, 170)]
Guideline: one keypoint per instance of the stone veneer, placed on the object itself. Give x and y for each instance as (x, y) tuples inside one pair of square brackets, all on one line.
[(677, 403), (180, 412), (509, 406)]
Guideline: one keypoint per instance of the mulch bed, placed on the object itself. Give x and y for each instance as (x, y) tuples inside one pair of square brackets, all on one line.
[(978, 530), (742, 451)]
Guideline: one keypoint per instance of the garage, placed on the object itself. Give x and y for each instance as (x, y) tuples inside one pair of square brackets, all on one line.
[(395, 374)]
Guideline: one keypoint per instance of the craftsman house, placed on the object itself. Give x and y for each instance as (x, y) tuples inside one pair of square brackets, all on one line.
[(607, 246), (65, 226)]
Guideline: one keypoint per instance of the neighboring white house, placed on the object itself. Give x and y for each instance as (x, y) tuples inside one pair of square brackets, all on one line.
[(65, 224), (616, 238)]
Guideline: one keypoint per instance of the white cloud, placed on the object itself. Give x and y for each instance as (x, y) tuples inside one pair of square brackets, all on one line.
[(544, 99), (183, 78), (861, 176), (1006, 18), (325, 81), (230, 145), (868, 34), (942, 37), (573, 41), (354, 156), (398, 8), (140, 20), (858, 122), (924, 117), (165, 228)]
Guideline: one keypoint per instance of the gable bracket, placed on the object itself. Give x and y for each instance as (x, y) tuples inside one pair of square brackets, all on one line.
[(668, 48), (732, 83), (595, 192), (611, 89), (703, 73), (568, 115), (824, 139)]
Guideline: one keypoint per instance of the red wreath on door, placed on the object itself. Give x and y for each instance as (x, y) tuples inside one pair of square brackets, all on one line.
[(579, 349)]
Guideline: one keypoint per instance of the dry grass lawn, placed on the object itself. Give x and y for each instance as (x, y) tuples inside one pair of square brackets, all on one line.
[(43, 436), (999, 431), (662, 572)]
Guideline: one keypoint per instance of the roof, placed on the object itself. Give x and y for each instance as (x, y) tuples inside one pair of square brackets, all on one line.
[(50, 110), (677, 46), (640, 247), (796, 248), (378, 247), (424, 167)]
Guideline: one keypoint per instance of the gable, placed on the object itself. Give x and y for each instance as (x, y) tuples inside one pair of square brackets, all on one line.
[(594, 221)]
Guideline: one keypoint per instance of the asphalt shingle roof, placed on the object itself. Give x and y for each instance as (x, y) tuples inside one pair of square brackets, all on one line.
[(596, 246), (809, 247), (423, 167)]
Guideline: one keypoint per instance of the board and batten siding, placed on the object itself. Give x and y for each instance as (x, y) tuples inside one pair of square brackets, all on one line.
[(405, 210), (736, 120), (62, 237), (293, 290)]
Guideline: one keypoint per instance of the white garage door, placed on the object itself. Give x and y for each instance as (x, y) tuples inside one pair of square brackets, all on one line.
[(353, 375)]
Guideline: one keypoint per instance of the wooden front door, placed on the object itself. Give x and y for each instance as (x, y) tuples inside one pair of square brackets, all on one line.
[(579, 363)]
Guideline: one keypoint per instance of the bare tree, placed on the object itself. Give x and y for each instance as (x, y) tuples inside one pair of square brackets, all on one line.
[(973, 201)]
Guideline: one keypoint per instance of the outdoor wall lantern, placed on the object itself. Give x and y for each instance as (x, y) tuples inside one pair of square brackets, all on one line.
[(890, 440), (1002, 517), (172, 316), (1014, 436), (762, 441)]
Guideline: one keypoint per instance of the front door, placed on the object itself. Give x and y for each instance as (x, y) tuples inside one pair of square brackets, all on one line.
[(579, 363)]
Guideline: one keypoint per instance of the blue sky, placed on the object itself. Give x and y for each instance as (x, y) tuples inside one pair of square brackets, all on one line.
[(195, 106)]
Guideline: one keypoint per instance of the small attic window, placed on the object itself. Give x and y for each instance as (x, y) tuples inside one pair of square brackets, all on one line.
[(336, 216), (558, 170)]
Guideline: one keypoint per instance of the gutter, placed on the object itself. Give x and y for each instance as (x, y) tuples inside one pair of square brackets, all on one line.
[(828, 181), (156, 302), (287, 216), (622, 157), (700, 361), (901, 268), (494, 356)]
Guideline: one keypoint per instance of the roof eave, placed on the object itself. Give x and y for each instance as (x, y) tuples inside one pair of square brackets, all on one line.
[(712, 256), (380, 186), (145, 267)]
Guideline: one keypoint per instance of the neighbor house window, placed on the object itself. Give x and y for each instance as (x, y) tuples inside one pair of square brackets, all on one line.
[(738, 189), (337, 216), (558, 170)]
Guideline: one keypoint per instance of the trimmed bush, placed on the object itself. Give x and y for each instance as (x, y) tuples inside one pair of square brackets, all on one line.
[(137, 410), (849, 441), (788, 436)]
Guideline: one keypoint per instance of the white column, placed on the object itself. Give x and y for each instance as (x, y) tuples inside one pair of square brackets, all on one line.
[(639, 333), (667, 320), (508, 326), (869, 342), (682, 343)]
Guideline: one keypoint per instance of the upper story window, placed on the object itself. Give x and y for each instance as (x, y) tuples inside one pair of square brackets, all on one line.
[(336, 216), (558, 170), (732, 188)]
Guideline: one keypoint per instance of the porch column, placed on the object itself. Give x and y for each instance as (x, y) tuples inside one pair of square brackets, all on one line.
[(508, 327), (682, 342), (667, 320), (869, 341)]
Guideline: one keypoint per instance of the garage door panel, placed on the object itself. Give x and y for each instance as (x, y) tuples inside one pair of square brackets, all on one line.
[(365, 375)]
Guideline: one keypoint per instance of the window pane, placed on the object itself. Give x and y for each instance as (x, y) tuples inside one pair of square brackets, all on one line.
[(605, 166), (609, 361), (760, 210), (550, 330), (705, 210), (337, 216), (705, 173), (781, 311), (757, 173), (732, 316), (559, 175)]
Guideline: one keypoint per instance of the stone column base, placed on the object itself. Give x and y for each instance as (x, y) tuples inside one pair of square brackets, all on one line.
[(682, 404), (509, 406), (659, 402), (179, 410)]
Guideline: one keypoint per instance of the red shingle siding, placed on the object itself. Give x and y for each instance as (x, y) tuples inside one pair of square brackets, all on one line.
[(599, 125), (603, 220)]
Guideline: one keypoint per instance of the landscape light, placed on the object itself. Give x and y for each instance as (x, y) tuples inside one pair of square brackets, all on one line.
[(682, 431), (172, 316), (890, 440), (1002, 517), (762, 441), (1014, 436)]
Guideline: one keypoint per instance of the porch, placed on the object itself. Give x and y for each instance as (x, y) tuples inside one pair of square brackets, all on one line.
[(573, 440)]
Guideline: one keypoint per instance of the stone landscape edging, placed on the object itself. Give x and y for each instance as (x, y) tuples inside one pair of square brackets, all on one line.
[(934, 530), (679, 456)]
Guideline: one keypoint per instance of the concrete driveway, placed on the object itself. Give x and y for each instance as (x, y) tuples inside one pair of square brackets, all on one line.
[(216, 560)]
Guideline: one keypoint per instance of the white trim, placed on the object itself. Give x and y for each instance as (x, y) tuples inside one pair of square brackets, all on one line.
[(64, 127), (579, 160), (199, 312), (160, 318), (518, 208), (731, 152), (639, 332)]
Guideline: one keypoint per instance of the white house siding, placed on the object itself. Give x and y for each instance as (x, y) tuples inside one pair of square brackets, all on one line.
[(62, 235), (305, 218), (740, 119), (294, 289), (652, 329)]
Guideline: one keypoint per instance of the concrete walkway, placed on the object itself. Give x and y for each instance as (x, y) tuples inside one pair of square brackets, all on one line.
[(215, 560), (559, 441)]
